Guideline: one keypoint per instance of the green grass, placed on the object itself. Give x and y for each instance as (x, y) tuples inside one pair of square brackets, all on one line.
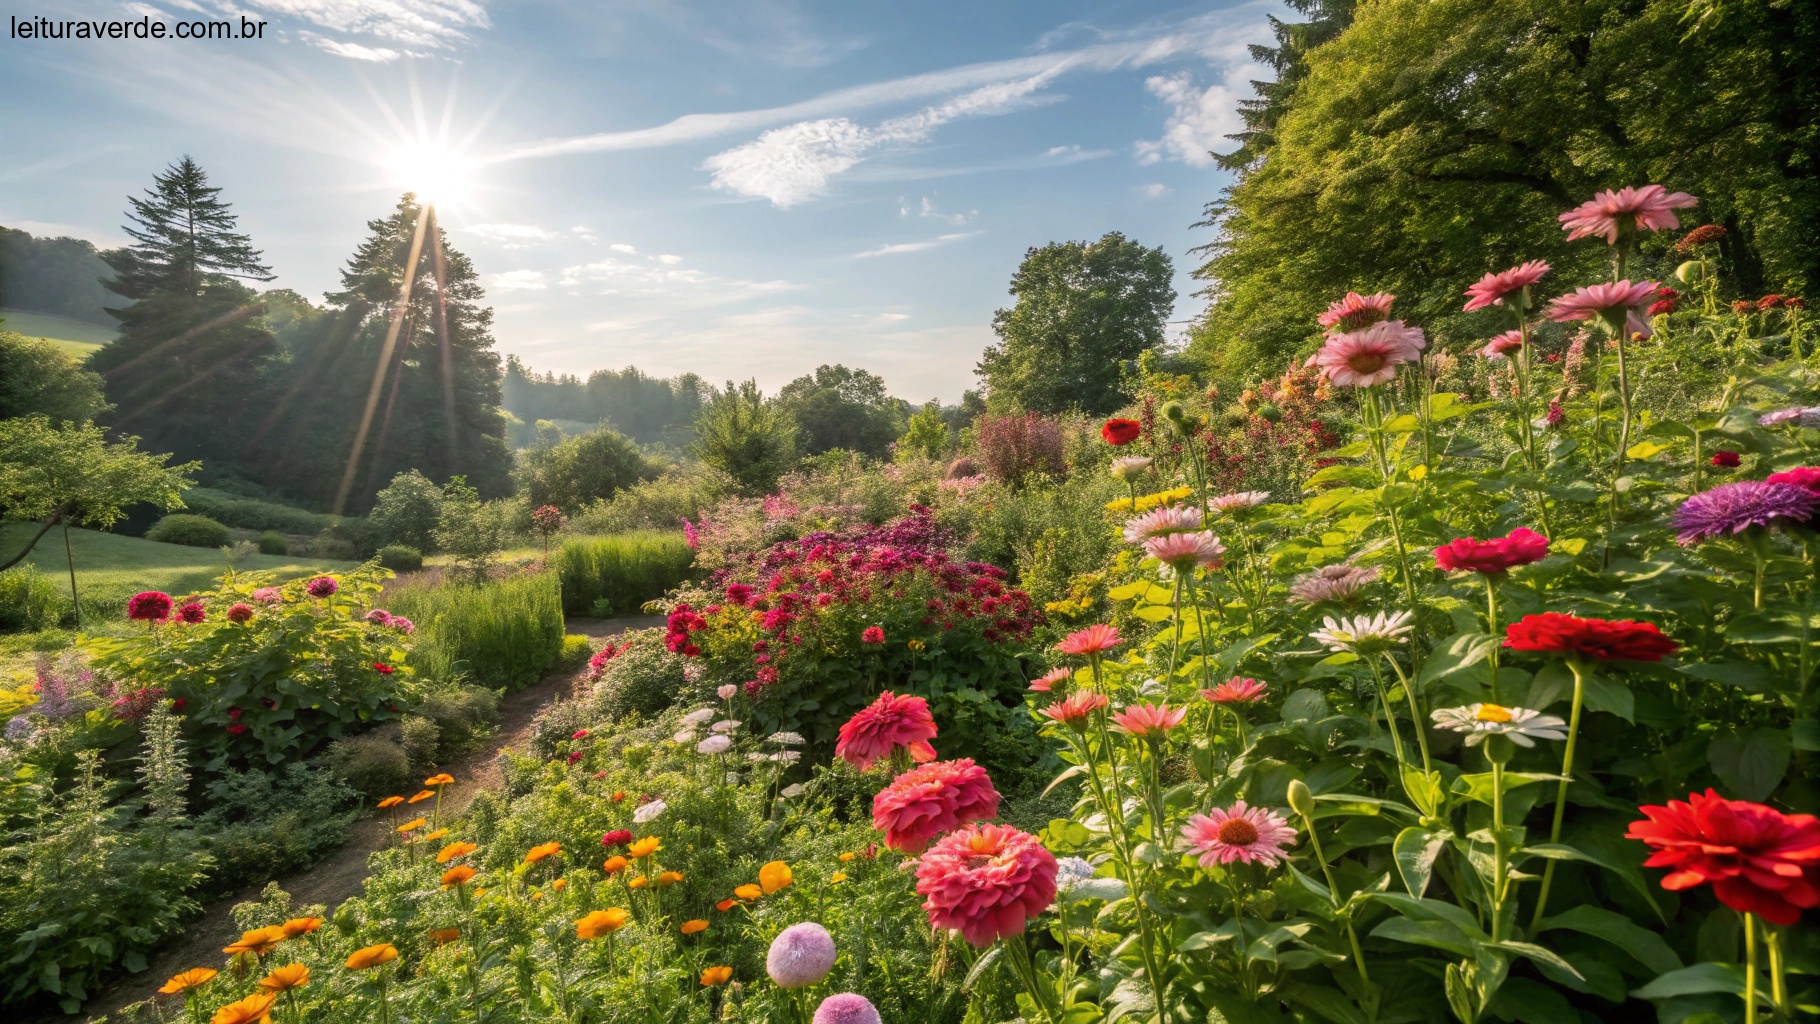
[(619, 572), (506, 633), (109, 565), (77, 338)]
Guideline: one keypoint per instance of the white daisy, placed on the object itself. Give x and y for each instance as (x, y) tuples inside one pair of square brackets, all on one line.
[(698, 717), (1364, 634), (649, 812), (792, 791), (716, 744), (1523, 725)]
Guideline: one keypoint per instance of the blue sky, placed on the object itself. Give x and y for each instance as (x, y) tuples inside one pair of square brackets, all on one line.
[(734, 187)]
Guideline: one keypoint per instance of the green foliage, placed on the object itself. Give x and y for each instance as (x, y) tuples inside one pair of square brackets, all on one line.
[(578, 470), (472, 531), (841, 408), (183, 235), (926, 434), (624, 571), (575, 651), (660, 504), (76, 473), (36, 377), (505, 633), (643, 679), (271, 542), (52, 275), (649, 409), (188, 530), (399, 558), (463, 714), (407, 511), (28, 601), (373, 764), (749, 439), (1083, 308), (253, 514), (266, 824)]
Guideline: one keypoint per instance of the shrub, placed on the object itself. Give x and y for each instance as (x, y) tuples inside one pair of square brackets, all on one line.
[(625, 571), (271, 542), (644, 678), (462, 715), (28, 601), (578, 470), (253, 514), (399, 558), (575, 651), (504, 633), (655, 504), (419, 738), (749, 439), (188, 530), (1018, 448), (262, 825), (407, 511), (373, 764), (470, 530)]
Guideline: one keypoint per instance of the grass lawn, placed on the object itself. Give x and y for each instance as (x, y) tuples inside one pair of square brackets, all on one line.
[(109, 564), (75, 337)]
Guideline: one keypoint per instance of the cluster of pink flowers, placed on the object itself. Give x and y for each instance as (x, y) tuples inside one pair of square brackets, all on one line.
[(683, 620), (136, 704), (1364, 346), (881, 728), (597, 665)]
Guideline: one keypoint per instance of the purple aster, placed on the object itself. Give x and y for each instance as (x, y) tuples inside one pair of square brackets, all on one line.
[(1807, 417), (1734, 508)]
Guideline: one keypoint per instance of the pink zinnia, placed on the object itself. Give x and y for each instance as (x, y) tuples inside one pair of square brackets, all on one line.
[(1090, 641), (1805, 477), (1605, 301), (1046, 682), (192, 613), (927, 801), (1158, 522), (1610, 215), (986, 882), (1184, 551), (1254, 835), (321, 586), (1502, 345), (1503, 554), (1493, 289), (1240, 690), (240, 611), (268, 595), (889, 722), (1367, 357), (1356, 311), (871, 634), (1073, 711), (1144, 719), (149, 606)]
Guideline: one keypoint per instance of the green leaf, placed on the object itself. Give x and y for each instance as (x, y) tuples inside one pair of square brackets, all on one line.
[(1641, 943), (1438, 934), (1748, 676), (1608, 695), (1553, 682), (1804, 734), (1645, 449), (1128, 591), (1695, 980), (1305, 705), (1457, 653), (1477, 785), (1539, 954), (982, 965), (1417, 849), (1751, 763)]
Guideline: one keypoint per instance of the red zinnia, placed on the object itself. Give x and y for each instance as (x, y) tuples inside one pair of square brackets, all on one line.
[(150, 606), (236, 729), (618, 837), (1600, 639), (1121, 432), (1522, 547), (1759, 860), (192, 613), (889, 722), (383, 669), (1725, 458), (240, 611), (986, 882), (871, 634), (927, 801), (1805, 477)]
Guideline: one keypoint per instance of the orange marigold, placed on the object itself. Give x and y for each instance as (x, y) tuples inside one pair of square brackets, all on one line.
[(300, 926), (259, 941), (716, 976), (413, 825), (372, 956), (694, 927), (614, 865), (457, 875), (442, 935), (748, 892), (669, 878), (600, 922), (774, 876), (454, 850), (645, 847), (542, 850), (186, 980), (251, 1010), (283, 979), (439, 779), (638, 883), (390, 801)]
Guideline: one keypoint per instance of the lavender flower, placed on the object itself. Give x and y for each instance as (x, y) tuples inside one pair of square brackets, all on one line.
[(1734, 508), (1333, 583), (1808, 416), (19, 728)]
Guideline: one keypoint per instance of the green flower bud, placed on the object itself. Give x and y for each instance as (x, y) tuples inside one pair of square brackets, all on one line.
[(1174, 412), (1691, 272), (1301, 799)]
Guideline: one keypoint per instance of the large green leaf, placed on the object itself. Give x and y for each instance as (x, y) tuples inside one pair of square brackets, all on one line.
[(1646, 946), (1750, 763), (1417, 849), (1688, 981)]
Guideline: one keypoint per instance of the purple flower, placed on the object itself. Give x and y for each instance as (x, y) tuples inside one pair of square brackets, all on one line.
[(1734, 508), (1807, 417), (321, 586), (800, 956), (847, 1008)]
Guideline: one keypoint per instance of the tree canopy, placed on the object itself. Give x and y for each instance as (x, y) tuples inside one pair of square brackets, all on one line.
[(37, 377), (746, 437), (53, 275), (183, 235), (1082, 310), (578, 470), (836, 407)]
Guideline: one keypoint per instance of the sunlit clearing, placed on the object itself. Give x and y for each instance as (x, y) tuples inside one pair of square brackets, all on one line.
[(434, 173)]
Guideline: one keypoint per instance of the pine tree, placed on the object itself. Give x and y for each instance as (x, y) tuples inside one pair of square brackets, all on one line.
[(1288, 58), (182, 234), (396, 380)]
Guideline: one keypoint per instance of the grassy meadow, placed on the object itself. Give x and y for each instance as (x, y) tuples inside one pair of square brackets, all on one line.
[(76, 338), (109, 564)]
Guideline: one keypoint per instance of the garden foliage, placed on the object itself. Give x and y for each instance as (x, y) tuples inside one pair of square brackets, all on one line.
[(618, 574)]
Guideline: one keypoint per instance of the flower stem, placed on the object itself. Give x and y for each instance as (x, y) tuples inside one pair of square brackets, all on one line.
[(1750, 969), (1017, 950), (1567, 772), (1333, 893), (1778, 981), (1499, 872), (1491, 619), (1390, 719), (1416, 717)]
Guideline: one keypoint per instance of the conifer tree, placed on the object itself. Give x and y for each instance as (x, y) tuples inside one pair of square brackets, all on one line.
[(183, 233)]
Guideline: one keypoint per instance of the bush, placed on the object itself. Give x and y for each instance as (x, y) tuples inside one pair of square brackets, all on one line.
[(28, 601), (1018, 448), (658, 504), (399, 558), (419, 738), (271, 542), (643, 678), (190, 531), (463, 714), (407, 511), (264, 824), (374, 764), (625, 570), (578, 470), (252, 514), (576, 650), (504, 633)]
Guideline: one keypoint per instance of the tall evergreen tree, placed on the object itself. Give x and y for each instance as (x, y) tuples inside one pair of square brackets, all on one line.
[(187, 369), (1289, 59), (401, 376)]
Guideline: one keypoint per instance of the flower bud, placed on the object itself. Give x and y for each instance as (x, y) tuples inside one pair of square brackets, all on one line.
[(1691, 272), (1174, 412), (1301, 799)]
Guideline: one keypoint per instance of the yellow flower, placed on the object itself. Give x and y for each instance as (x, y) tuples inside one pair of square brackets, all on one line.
[(645, 847), (423, 795), (454, 850), (372, 956), (600, 922), (614, 865), (300, 926), (775, 876), (694, 927), (848, 856), (748, 892), (541, 851), (439, 779), (457, 875), (559, 884), (537, 895), (413, 824), (283, 979), (916, 645), (187, 980), (716, 976), (251, 1010), (259, 941), (390, 801), (430, 837), (1146, 502), (668, 878), (839, 877), (638, 883)]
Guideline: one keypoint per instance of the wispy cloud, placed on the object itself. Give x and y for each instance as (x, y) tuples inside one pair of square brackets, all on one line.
[(928, 211), (352, 51), (661, 278), (512, 236), (1154, 190), (903, 247), (429, 24), (1199, 119), (518, 280)]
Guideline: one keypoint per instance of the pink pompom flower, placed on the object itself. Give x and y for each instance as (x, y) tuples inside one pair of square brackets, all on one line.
[(800, 956), (1612, 215), (149, 606), (871, 634), (192, 613), (925, 802), (847, 1008), (379, 617), (986, 882), (1240, 690), (1148, 719), (1253, 835), (1493, 289), (883, 726), (239, 612), (321, 586)]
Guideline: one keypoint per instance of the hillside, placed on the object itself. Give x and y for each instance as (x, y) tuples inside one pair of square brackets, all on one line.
[(109, 565), (75, 337)]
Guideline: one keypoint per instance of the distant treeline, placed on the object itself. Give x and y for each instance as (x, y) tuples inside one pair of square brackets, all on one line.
[(646, 408), (54, 275)]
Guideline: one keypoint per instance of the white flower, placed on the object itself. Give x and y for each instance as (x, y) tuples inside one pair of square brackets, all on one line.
[(1157, 522), (787, 756), (1363, 634), (714, 745), (1130, 467), (649, 812), (1522, 725), (727, 691), (757, 758), (727, 726), (1243, 501), (792, 791), (1074, 878), (684, 736), (692, 674), (786, 739), (698, 717), (1069, 870)]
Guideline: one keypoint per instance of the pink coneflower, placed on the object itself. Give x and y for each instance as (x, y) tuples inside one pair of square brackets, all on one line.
[(1046, 682), (1367, 357), (1611, 215), (1501, 346), (1254, 835), (1239, 690), (1356, 311), (1606, 301), (1493, 289), (1146, 719), (1183, 551), (1334, 583), (1240, 501), (889, 722), (1074, 711), (1095, 639), (986, 882), (935, 798), (1157, 522)]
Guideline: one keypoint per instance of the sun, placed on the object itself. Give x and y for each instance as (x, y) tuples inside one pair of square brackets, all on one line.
[(438, 175)]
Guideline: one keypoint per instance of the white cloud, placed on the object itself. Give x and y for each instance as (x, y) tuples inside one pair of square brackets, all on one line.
[(1073, 154), (891, 318), (420, 23), (512, 236), (582, 232), (1154, 190), (669, 259), (518, 280), (612, 276), (352, 51), (1199, 119), (623, 247), (930, 212), (903, 247)]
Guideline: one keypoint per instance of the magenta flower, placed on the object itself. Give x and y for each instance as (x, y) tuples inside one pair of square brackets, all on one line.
[(1493, 289), (871, 635), (192, 613), (1355, 311), (321, 586), (1146, 719), (1240, 690), (268, 595), (1734, 508), (1611, 215), (1502, 345), (1184, 551), (1805, 477), (149, 606), (847, 1008), (1608, 302), (379, 617), (1157, 522), (1253, 835)]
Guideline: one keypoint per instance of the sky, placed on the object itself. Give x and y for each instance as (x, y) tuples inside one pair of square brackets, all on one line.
[(738, 188)]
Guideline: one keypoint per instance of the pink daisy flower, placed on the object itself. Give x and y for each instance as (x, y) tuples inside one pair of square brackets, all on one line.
[(1183, 551), (1611, 214), (1158, 522), (1074, 711), (1367, 357), (1254, 835), (1502, 345), (1095, 639), (1602, 300), (1357, 311), (1239, 690), (1145, 719), (1493, 289), (1046, 683)]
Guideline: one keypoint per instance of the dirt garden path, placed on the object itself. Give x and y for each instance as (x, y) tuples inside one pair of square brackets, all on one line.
[(340, 875)]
